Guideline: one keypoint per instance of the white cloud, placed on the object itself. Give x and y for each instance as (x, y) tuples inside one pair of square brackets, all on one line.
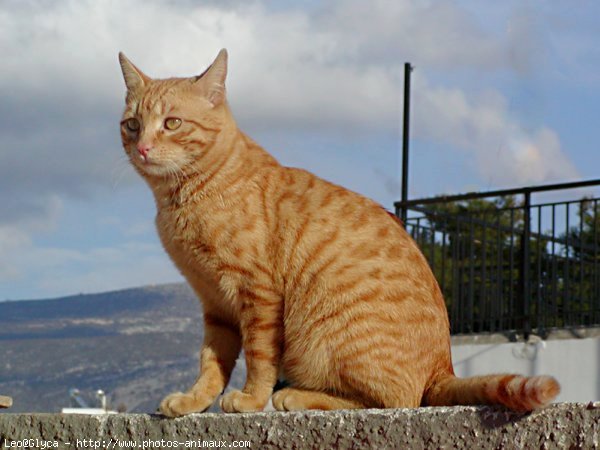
[(126, 265), (54, 271), (335, 67), (428, 33), (502, 151), (12, 240)]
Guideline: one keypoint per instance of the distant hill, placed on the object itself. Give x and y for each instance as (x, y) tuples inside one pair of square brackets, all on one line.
[(137, 345)]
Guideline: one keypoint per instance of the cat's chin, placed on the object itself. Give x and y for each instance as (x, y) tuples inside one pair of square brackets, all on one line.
[(152, 169)]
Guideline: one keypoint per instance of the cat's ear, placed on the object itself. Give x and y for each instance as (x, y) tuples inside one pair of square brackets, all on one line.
[(135, 79), (214, 79)]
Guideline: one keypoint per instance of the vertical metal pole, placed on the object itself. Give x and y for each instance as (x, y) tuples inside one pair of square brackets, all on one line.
[(525, 252), (405, 139)]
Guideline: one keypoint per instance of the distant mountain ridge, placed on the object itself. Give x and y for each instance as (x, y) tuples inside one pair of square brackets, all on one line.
[(136, 344)]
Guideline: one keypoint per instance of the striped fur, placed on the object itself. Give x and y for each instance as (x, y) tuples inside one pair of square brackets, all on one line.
[(513, 391), (314, 282)]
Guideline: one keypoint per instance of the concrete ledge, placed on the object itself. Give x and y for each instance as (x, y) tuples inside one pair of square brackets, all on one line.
[(567, 425)]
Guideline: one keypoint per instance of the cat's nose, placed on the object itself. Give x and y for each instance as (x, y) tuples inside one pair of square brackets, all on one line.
[(144, 149)]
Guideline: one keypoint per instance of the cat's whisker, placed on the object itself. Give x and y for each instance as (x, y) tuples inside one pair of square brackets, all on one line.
[(174, 171), (120, 167)]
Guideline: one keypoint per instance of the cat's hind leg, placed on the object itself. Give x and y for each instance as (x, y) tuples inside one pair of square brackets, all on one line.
[(292, 399)]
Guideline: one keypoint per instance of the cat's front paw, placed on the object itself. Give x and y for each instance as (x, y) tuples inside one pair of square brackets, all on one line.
[(238, 401), (179, 404)]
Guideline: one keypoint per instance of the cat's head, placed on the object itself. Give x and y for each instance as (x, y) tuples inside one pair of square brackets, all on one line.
[(168, 125)]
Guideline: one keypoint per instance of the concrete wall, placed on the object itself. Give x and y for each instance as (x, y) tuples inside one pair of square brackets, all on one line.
[(556, 427), (573, 361)]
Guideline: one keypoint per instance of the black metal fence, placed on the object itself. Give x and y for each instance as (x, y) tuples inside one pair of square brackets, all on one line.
[(508, 265)]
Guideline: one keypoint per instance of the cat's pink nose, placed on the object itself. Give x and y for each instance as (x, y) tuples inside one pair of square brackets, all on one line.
[(144, 149)]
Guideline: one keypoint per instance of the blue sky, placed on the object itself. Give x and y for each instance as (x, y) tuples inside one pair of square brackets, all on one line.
[(505, 94)]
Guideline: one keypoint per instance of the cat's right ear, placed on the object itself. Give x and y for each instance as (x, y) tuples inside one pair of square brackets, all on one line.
[(135, 79)]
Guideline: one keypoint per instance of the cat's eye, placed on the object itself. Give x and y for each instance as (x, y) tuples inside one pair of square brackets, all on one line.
[(132, 124), (172, 123)]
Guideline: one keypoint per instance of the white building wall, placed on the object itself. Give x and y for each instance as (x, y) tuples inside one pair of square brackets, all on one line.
[(575, 363)]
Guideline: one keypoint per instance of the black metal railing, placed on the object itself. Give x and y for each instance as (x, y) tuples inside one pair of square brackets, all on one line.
[(508, 265)]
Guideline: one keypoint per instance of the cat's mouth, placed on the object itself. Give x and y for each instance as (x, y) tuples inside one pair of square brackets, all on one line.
[(149, 162), (158, 169), (149, 166)]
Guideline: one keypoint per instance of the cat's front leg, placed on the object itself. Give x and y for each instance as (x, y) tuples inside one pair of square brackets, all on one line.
[(262, 338), (219, 352)]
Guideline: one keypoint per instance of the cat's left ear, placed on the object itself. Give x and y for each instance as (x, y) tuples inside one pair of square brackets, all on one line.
[(135, 79), (214, 79)]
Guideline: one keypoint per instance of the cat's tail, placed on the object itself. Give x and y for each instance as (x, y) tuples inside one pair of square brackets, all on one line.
[(513, 391)]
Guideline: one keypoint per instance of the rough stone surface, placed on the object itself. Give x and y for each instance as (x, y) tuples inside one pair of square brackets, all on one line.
[(567, 425)]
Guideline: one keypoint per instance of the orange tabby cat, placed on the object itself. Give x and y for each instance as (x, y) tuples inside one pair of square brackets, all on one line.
[(311, 280)]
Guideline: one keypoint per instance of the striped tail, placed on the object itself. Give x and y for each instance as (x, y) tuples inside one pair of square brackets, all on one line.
[(513, 391)]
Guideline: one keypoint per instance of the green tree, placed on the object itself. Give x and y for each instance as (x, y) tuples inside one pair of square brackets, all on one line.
[(475, 250), (579, 267)]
